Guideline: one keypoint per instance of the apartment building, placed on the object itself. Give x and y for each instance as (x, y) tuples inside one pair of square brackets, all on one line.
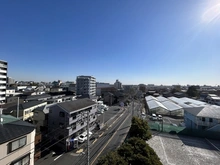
[(86, 85), (118, 84), (3, 79), (17, 140), (68, 119)]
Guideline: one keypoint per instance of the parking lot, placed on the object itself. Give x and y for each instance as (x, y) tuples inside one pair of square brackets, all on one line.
[(185, 150)]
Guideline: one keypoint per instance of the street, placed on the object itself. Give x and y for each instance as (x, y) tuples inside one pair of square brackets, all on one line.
[(117, 124)]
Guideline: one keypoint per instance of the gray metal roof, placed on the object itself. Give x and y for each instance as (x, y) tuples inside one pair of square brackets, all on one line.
[(71, 106), (148, 98), (155, 104), (161, 98), (13, 128), (209, 111), (171, 106)]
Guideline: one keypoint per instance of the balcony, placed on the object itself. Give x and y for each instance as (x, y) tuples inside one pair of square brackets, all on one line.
[(2, 98), (3, 65), (2, 93), (3, 76), (2, 82), (2, 87), (3, 71)]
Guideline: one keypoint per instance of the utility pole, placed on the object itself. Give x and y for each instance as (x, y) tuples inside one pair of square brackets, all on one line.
[(87, 137), (18, 108), (132, 107)]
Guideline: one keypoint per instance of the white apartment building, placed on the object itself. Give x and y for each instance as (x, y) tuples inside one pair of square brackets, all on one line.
[(3, 79), (16, 141), (86, 85), (118, 84)]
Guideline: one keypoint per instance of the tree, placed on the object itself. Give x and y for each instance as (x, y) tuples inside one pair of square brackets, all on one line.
[(112, 158), (137, 151), (192, 91), (139, 128)]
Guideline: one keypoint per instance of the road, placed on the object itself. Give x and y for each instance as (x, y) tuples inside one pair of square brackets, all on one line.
[(110, 137)]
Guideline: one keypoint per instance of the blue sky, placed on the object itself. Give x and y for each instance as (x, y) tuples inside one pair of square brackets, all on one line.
[(144, 41)]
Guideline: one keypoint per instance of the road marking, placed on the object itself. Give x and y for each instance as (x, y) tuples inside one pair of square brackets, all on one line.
[(58, 157), (164, 151), (101, 134), (94, 141), (109, 140), (79, 151)]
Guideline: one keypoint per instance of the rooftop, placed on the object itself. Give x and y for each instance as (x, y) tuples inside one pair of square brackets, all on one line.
[(71, 106), (210, 111), (12, 128)]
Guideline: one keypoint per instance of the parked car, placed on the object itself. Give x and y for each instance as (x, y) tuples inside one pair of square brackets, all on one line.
[(83, 137), (154, 117), (160, 117)]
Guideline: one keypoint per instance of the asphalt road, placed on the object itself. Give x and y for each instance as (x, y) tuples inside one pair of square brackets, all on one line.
[(117, 124)]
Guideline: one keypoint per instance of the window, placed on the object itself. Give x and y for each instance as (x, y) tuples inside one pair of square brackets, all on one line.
[(22, 161), (203, 119), (62, 114), (61, 125), (17, 144), (210, 120)]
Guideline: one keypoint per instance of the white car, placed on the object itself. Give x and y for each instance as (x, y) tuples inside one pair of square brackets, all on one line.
[(154, 116), (83, 137), (160, 117)]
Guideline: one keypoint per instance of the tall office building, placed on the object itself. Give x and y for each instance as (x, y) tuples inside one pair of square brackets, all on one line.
[(3, 78), (85, 85)]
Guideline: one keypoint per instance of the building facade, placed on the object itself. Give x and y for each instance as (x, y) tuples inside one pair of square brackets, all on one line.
[(69, 119), (3, 79), (16, 141), (118, 85), (86, 85), (203, 118)]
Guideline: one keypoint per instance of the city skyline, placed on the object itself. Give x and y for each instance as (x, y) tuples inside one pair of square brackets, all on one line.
[(136, 42)]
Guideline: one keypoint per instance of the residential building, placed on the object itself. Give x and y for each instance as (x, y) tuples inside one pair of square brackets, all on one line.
[(86, 85), (56, 89), (17, 141), (10, 81), (68, 119), (25, 110), (213, 99), (203, 118), (3, 77), (99, 87), (118, 85)]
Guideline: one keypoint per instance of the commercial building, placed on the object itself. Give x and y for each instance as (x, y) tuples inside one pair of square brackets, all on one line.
[(3, 79), (86, 85), (17, 141)]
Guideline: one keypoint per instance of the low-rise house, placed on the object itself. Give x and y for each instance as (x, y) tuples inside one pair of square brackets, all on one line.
[(56, 89), (68, 119), (203, 118), (17, 141), (213, 99), (25, 110)]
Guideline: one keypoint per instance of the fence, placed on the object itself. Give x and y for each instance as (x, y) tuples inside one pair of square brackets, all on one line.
[(158, 126)]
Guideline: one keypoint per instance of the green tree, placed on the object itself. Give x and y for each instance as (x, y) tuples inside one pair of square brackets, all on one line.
[(112, 158), (139, 128), (137, 151), (192, 91)]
